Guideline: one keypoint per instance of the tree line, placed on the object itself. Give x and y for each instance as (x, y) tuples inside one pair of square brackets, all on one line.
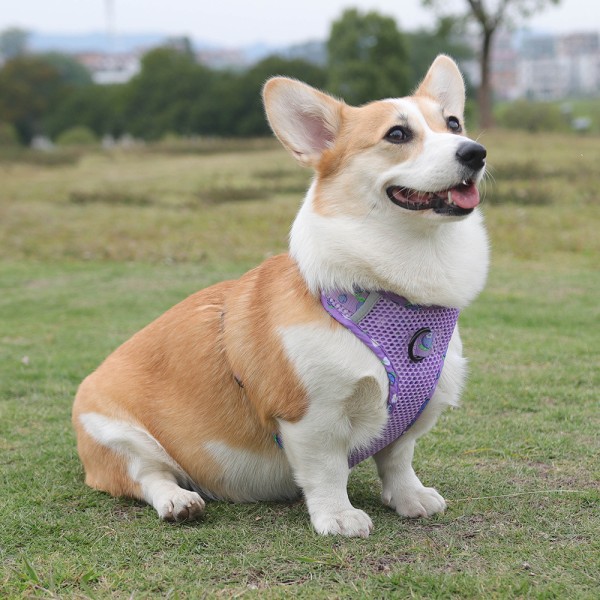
[(368, 58)]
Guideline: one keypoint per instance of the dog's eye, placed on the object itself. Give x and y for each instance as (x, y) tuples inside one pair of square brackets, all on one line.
[(453, 124), (398, 135)]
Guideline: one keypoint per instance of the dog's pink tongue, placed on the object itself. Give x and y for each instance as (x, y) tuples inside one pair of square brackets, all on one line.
[(465, 196)]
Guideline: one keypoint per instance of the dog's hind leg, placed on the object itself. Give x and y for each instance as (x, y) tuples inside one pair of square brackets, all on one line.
[(125, 460)]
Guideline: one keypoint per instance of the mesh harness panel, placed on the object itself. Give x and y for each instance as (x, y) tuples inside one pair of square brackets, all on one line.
[(411, 342)]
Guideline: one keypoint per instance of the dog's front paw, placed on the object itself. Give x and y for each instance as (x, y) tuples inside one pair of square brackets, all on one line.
[(350, 522), (182, 505), (416, 502)]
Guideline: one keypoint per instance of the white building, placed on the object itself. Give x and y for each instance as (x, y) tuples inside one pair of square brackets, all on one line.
[(110, 68), (546, 67)]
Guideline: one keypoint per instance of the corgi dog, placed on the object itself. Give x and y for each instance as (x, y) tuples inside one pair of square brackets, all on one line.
[(249, 390)]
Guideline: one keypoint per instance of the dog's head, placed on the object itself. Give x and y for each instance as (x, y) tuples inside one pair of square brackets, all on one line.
[(407, 153)]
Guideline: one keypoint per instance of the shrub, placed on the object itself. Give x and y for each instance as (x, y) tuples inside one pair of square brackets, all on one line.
[(8, 135), (77, 136), (532, 116)]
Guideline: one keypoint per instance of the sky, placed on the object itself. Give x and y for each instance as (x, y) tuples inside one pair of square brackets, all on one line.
[(234, 23)]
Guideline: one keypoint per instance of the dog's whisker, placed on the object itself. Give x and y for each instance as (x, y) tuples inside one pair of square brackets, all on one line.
[(368, 215)]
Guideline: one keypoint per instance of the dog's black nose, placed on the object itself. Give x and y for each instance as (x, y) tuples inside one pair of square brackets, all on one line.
[(472, 155)]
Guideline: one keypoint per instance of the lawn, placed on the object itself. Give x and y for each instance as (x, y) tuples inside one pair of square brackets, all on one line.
[(92, 248)]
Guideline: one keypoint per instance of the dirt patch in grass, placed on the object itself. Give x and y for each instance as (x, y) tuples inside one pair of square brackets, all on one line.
[(528, 170), (220, 194), (385, 563), (264, 185), (523, 196), (56, 158), (111, 197), (207, 145)]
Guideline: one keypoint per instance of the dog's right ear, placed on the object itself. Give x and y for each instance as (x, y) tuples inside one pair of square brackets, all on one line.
[(305, 120)]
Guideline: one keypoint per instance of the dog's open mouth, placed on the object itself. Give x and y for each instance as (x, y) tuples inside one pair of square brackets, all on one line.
[(457, 201)]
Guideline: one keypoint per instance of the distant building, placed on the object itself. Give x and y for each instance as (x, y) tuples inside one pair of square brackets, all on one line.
[(524, 64), (582, 51), (505, 73), (109, 68), (314, 52), (546, 67), (223, 58)]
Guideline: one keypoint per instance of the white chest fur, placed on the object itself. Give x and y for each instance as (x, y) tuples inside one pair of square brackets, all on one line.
[(424, 261), (346, 385)]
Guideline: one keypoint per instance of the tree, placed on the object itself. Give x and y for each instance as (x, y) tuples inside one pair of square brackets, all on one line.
[(490, 15), (161, 98), (71, 72), (13, 42), (98, 107), (367, 57), (29, 89), (425, 44), (39, 94)]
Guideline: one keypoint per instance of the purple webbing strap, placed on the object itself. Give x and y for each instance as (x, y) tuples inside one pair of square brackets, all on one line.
[(410, 341)]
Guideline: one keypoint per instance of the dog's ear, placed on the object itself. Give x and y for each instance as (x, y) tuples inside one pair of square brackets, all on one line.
[(444, 83), (305, 120)]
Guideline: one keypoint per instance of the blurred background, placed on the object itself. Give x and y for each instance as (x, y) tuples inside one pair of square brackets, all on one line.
[(113, 71), (136, 167)]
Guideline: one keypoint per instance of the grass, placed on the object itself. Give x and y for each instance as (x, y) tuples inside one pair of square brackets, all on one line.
[(518, 463)]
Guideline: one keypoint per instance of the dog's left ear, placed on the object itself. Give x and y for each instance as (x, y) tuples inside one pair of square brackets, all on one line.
[(444, 83), (305, 120)]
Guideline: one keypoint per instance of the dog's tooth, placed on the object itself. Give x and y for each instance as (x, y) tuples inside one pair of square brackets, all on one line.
[(450, 197)]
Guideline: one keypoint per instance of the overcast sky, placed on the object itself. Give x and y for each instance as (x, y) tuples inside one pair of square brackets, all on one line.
[(241, 22)]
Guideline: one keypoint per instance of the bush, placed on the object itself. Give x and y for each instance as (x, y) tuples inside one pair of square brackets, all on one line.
[(77, 136), (532, 116), (8, 135)]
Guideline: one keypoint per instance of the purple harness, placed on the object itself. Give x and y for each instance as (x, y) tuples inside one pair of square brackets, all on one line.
[(411, 342)]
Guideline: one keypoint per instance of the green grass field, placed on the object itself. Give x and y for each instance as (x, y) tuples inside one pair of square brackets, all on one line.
[(92, 250)]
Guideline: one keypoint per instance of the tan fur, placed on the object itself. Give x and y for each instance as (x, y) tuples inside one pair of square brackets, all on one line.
[(362, 129), (180, 371), (107, 470), (435, 117), (187, 408)]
